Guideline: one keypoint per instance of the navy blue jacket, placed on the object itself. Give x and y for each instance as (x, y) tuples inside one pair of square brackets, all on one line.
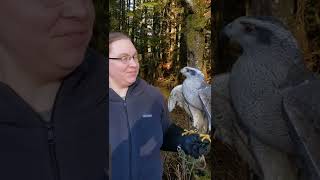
[(73, 145), (137, 126)]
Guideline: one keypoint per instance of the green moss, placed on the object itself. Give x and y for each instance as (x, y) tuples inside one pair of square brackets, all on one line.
[(150, 4)]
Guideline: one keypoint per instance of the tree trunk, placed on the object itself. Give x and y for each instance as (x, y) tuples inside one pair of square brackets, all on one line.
[(224, 12), (260, 8)]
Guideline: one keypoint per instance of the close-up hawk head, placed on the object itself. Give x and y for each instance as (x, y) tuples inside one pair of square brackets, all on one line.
[(190, 72)]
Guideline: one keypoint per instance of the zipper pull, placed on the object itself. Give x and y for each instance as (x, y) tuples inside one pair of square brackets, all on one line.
[(51, 135)]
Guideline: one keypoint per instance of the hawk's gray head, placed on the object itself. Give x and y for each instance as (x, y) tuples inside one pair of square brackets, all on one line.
[(190, 72), (262, 35)]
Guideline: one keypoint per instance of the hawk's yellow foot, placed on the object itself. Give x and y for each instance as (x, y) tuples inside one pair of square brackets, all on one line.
[(202, 136), (205, 137), (188, 132)]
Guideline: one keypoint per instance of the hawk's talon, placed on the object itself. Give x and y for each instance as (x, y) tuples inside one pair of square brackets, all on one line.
[(202, 136), (205, 137), (189, 132)]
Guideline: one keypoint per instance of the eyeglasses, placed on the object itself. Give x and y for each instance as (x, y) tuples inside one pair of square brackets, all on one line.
[(126, 59)]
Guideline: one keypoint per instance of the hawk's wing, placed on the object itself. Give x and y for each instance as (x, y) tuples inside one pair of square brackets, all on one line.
[(205, 98), (176, 98), (302, 107)]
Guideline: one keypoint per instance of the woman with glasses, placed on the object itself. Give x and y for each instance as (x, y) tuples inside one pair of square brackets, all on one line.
[(139, 124)]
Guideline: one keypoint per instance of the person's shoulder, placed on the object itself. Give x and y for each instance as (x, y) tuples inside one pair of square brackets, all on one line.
[(95, 66), (95, 59), (94, 70), (89, 76), (151, 89)]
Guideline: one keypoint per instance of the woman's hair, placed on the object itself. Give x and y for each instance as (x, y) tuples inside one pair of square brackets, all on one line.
[(115, 36)]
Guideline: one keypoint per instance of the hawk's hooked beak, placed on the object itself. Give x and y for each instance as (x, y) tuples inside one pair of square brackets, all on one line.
[(183, 71)]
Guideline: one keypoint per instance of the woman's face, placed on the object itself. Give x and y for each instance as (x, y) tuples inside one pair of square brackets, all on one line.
[(122, 75), (45, 35)]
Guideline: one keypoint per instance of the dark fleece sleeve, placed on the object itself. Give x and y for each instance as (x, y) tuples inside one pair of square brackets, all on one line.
[(171, 132)]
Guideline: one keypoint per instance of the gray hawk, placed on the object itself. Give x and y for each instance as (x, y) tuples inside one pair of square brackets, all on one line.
[(194, 96), (276, 99)]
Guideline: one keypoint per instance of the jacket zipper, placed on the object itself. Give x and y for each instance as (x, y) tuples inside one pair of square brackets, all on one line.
[(52, 152), (52, 139), (129, 139), (50, 131)]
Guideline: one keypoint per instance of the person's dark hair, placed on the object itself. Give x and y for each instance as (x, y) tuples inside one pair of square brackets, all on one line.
[(115, 36)]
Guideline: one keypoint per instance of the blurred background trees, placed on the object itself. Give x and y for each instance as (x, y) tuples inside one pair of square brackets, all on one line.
[(168, 35)]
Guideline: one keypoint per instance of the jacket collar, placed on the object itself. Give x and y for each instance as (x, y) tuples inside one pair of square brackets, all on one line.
[(134, 89), (86, 78)]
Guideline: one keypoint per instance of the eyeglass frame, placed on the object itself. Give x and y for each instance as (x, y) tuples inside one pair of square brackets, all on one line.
[(134, 57)]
